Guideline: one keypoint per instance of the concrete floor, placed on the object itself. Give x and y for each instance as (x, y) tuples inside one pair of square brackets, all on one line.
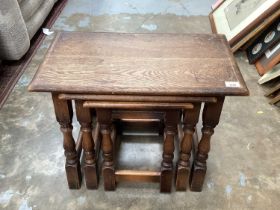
[(244, 163)]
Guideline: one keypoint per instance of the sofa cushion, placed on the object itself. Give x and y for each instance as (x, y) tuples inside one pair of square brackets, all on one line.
[(37, 19), (14, 39), (29, 7)]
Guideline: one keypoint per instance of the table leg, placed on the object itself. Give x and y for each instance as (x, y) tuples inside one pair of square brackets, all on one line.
[(211, 116), (64, 113), (90, 169), (171, 120), (191, 118), (104, 117)]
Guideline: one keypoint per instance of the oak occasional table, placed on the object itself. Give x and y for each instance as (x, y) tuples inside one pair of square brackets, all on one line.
[(113, 73)]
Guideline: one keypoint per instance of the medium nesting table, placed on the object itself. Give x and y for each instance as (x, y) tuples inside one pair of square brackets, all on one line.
[(114, 74)]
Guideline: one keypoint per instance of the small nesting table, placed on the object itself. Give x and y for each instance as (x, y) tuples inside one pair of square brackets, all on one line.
[(116, 74)]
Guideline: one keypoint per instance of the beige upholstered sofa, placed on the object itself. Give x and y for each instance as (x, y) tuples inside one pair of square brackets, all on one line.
[(19, 21)]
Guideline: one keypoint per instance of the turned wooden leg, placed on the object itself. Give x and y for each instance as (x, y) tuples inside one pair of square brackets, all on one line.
[(64, 113), (104, 117), (191, 118), (211, 116), (171, 120), (90, 169)]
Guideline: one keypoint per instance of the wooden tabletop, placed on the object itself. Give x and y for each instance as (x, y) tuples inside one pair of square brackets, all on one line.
[(139, 64)]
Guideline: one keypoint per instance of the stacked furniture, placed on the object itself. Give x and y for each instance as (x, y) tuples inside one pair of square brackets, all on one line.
[(143, 75)]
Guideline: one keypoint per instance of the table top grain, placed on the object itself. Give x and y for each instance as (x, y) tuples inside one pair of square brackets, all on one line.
[(139, 64)]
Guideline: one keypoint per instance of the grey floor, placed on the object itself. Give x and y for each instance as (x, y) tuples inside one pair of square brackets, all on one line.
[(244, 163)]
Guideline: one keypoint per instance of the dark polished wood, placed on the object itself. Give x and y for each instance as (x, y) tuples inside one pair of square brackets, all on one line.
[(139, 121), (171, 120), (139, 115), (191, 118), (139, 64), (64, 114), (210, 117), (136, 105), (136, 98), (104, 117), (90, 169), (134, 176)]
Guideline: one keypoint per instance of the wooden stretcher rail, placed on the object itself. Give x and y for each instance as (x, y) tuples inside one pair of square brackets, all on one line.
[(140, 176), (137, 115)]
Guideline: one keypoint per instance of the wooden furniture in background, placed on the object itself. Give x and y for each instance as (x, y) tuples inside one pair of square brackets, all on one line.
[(275, 93), (270, 59), (113, 72)]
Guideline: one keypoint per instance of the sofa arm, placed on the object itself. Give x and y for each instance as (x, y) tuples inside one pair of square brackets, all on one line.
[(14, 39)]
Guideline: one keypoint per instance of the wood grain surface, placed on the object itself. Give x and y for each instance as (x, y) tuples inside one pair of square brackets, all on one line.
[(141, 64)]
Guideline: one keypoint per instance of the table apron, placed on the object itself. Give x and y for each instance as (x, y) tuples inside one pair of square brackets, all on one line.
[(136, 98)]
